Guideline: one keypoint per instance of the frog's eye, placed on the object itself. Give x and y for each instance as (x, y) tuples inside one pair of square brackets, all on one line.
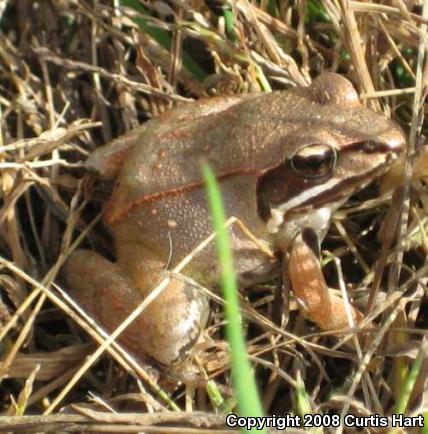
[(314, 161)]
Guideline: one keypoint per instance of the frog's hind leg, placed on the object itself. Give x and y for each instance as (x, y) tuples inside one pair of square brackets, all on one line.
[(166, 328)]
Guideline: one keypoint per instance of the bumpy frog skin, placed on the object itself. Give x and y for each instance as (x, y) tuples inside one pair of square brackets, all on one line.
[(284, 160)]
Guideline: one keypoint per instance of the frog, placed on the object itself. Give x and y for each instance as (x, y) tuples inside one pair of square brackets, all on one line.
[(284, 160)]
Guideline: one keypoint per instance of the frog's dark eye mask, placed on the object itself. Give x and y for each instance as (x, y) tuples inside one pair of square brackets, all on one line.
[(316, 174)]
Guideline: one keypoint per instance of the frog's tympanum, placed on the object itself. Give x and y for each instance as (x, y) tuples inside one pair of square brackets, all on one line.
[(284, 160)]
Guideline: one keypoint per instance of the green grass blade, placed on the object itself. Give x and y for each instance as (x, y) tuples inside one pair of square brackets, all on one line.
[(424, 430), (303, 404), (410, 381), (243, 379)]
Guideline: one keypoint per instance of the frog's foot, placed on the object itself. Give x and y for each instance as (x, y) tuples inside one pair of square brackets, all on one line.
[(167, 327)]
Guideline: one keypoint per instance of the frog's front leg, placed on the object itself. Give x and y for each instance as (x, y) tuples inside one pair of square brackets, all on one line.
[(164, 331), (317, 300)]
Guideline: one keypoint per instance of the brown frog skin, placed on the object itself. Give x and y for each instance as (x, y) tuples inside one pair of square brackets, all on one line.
[(284, 160)]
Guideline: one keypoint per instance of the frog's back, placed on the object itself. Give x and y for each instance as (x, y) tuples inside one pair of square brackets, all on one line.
[(166, 159), (246, 138)]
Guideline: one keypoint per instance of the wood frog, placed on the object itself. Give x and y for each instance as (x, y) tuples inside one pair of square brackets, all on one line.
[(284, 160)]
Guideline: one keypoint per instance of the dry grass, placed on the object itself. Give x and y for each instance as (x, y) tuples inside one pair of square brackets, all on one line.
[(76, 74)]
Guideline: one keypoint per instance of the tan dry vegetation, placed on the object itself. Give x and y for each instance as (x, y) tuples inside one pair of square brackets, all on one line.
[(74, 75)]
